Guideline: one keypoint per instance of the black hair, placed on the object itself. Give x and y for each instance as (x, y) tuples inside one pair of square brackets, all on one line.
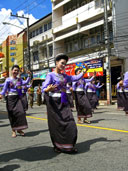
[(119, 78), (61, 56), (77, 69), (15, 66)]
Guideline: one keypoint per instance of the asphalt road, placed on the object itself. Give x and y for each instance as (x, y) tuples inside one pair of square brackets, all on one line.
[(102, 145)]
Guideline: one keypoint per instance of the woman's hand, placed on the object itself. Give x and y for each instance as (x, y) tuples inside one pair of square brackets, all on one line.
[(86, 66), (51, 87), (94, 74), (29, 73), (1, 96)]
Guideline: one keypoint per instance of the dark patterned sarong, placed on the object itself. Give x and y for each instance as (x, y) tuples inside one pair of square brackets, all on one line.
[(83, 106), (62, 126), (24, 101), (16, 113), (70, 100)]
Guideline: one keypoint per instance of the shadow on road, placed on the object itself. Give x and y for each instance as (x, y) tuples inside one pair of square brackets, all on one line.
[(5, 125), (35, 133), (10, 167), (30, 154), (97, 121), (85, 146)]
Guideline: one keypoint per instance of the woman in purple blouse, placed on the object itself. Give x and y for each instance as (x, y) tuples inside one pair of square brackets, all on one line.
[(83, 106), (125, 84), (17, 116), (91, 88), (62, 126)]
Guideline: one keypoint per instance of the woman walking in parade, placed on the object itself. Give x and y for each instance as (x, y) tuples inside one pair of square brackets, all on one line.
[(69, 92), (91, 88), (83, 106), (125, 84), (39, 93), (31, 96), (120, 94), (16, 113), (24, 96), (62, 126)]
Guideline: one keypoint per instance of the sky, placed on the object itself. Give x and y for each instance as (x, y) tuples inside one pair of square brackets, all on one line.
[(36, 9)]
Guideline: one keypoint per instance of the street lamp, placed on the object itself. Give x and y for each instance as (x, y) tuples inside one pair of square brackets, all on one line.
[(6, 23)]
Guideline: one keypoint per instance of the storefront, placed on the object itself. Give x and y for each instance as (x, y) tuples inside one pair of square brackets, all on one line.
[(39, 77)]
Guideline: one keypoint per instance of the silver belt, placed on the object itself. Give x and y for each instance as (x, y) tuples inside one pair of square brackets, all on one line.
[(79, 89), (54, 94), (90, 91), (69, 92), (12, 93), (120, 91)]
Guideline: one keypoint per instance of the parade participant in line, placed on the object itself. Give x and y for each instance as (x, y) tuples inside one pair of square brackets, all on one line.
[(69, 92), (31, 96), (91, 93), (24, 96), (2, 85), (62, 126), (83, 106), (39, 93), (14, 104), (120, 94), (125, 84)]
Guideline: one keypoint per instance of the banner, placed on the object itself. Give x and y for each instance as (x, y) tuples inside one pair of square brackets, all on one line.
[(40, 75), (94, 65)]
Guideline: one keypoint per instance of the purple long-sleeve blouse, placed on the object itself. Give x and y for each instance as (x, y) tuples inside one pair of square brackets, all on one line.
[(25, 88), (2, 85), (13, 85), (60, 80), (126, 79), (81, 83), (92, 87)]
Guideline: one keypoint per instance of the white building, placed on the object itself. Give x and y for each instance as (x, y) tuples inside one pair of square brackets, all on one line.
[(41, 47), (78, 30)]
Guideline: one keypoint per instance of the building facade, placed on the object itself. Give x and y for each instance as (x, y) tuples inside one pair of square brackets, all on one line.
[(13, 49), (78, 30), (41, 48)]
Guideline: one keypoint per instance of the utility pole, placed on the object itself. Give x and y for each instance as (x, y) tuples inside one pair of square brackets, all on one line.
[(28, 41), (108, 66)]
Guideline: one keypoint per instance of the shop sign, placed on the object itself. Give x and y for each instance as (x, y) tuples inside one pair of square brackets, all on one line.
[(94, 65), (40, 75)]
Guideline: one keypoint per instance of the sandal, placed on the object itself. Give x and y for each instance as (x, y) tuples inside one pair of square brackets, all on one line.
[(57, 150), (86, 121), (13, 135), (21, 133), (79, 122)]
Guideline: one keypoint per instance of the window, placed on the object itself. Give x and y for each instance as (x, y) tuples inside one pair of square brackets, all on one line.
[(35, 56), (75, 46), (49, 25), (98, 38), (12, 42), (50, 50), (33, 33), (40, 30), (30, 35), (70, 46), (93, 40), (37, 32), (86, 42), (13, 54), (12, 48), (45, 27)]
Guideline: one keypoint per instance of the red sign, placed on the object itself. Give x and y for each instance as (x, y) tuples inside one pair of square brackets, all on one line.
[(94, 65)]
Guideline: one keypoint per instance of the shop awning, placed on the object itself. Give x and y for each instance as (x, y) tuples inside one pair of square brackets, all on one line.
[(1, 55)]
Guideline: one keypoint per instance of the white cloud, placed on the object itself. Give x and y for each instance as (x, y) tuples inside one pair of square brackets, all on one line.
[(6, 30)]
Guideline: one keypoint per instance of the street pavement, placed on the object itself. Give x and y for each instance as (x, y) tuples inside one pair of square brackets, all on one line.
[(102, 145)]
